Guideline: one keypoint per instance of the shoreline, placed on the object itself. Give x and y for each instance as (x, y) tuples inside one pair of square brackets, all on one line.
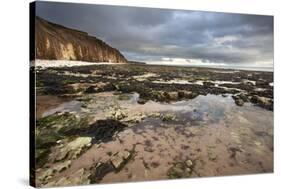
[(71, 63), (255, 69), (66, 63)]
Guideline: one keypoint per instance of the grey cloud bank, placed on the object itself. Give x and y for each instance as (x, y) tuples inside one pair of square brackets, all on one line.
[(162, 35)]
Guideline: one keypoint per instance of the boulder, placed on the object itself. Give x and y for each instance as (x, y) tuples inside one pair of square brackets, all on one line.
[(171, 95), (154, 114), (158, 95), (168, 117), (141, 101), (120, 159), (117, 161), (224, 95), (73, 149), (263, 102), (182, 93), (179, 170), (189, 163), (208, 84), (211, 155), (118, 114), (262, 83), (240, 99), (100, 171), (239, 102), (247, 82), (62, 166), (135, 118), (244, 97), (105, 130), (100, 87), (187, 94), (46, 175)]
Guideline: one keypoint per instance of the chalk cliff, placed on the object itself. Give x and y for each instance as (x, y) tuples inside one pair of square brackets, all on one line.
[(56, 42)]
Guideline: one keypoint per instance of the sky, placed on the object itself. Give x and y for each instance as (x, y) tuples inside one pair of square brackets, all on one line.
[(165, 36)]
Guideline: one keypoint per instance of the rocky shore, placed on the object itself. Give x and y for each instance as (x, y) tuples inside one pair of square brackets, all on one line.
[(131, 122), (158, 83)]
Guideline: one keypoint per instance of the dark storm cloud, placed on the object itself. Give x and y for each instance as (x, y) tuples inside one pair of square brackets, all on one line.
[(147, 34)]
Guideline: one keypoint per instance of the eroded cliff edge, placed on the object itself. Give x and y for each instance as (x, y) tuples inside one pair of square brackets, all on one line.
[(56, 42)]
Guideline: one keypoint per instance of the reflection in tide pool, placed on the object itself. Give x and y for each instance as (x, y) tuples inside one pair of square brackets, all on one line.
[(207, 109), (219, 137), (72, 106)]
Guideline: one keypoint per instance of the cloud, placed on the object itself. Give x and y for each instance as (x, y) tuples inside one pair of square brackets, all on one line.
[(147, 34)]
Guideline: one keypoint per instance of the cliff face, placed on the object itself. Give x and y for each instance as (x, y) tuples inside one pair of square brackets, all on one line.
[(56, 42)]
